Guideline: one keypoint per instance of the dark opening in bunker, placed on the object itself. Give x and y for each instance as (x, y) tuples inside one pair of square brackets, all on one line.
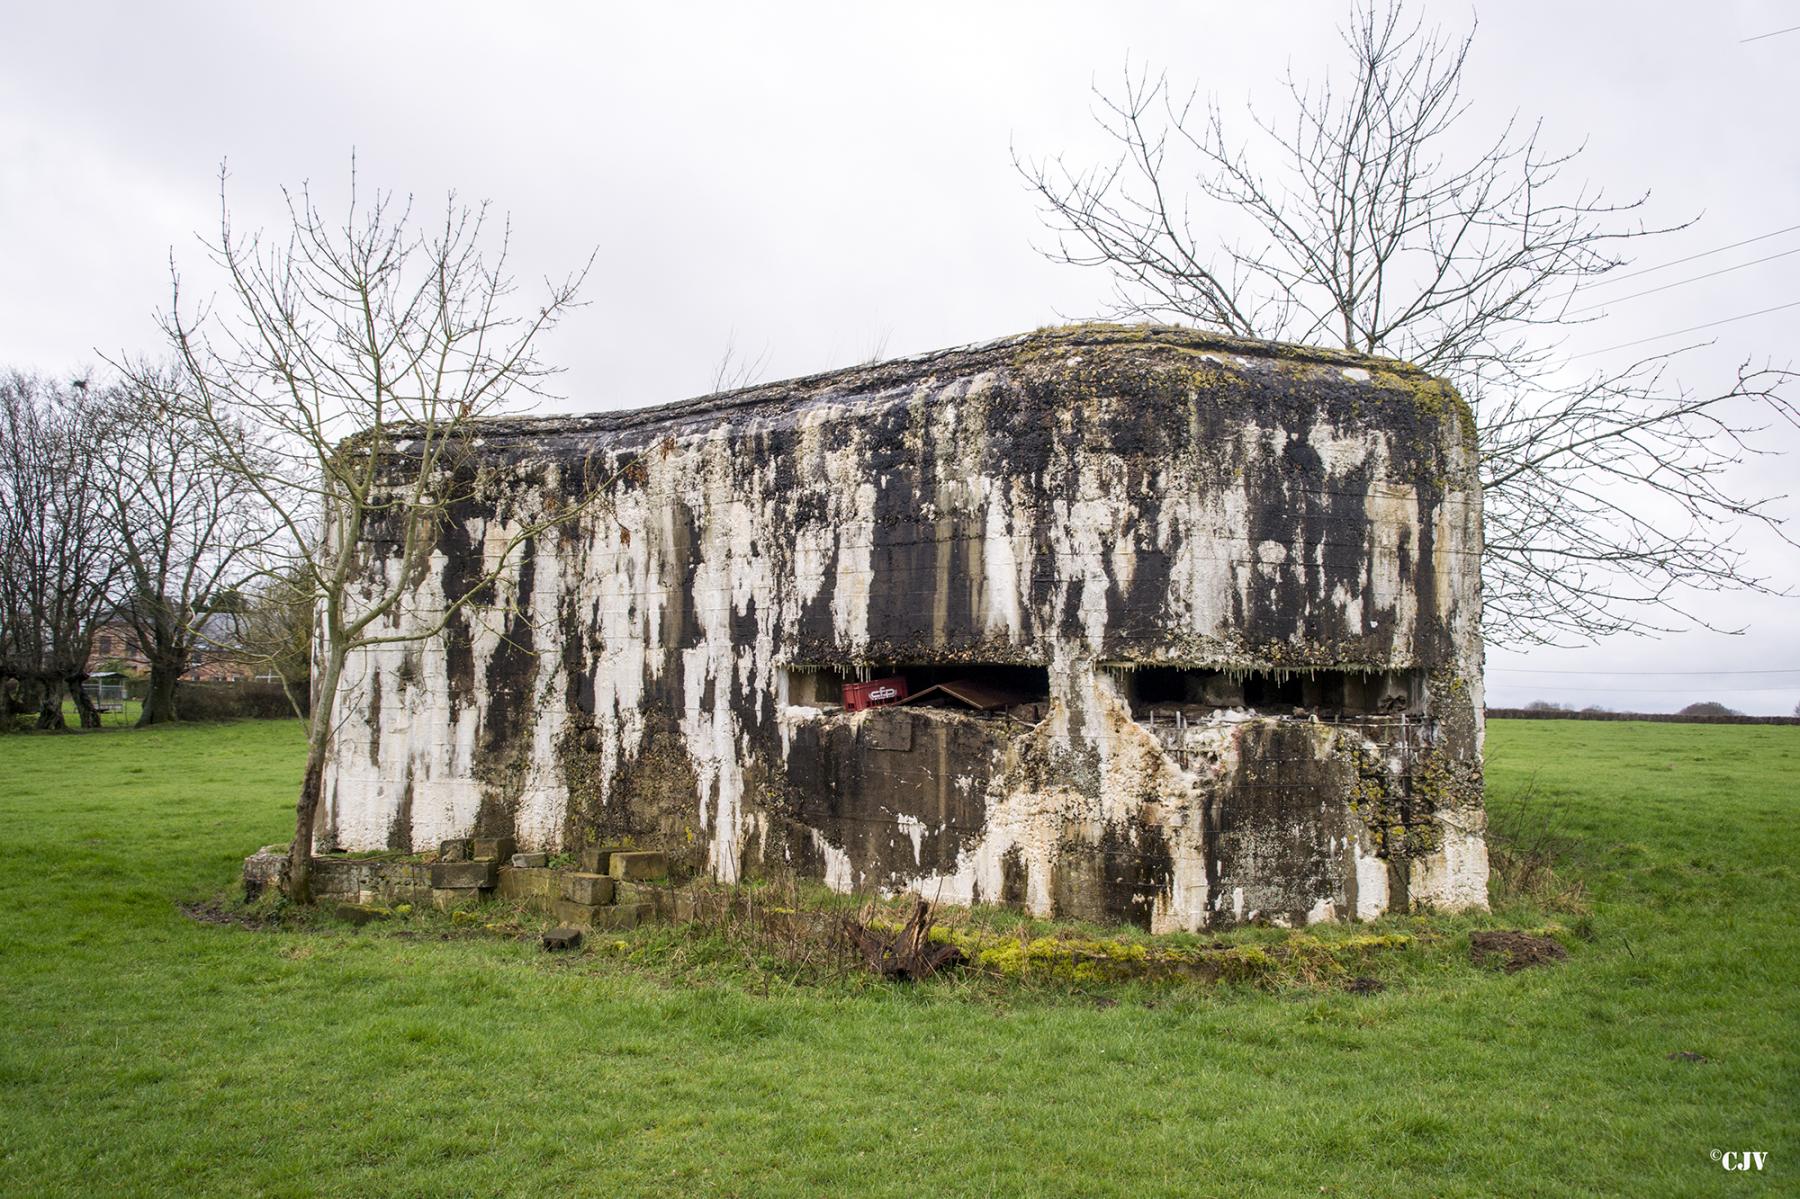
[(982, 687), (1326, 692)]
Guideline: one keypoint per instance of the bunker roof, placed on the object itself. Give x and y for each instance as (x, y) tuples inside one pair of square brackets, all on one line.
[(1066, 343)]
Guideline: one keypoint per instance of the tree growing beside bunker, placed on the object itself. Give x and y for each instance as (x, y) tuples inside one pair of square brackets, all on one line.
[(342, 373), (1371, 213)]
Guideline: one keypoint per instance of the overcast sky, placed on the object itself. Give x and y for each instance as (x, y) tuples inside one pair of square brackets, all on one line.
[(821, 183)]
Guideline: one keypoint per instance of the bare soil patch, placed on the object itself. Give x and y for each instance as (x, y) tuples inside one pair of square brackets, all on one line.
[(212, 911), (1514, 951)]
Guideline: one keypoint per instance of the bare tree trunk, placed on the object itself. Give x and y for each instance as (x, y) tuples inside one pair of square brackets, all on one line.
[(300, 852), (85, 708), (23, 697), (312, 784), (159, 700), (50, 706)]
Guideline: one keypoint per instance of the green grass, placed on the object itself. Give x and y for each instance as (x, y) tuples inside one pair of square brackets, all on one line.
[(146, 1053)]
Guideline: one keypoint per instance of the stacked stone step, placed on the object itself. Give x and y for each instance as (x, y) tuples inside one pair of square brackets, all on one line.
[(612, 889), (468, 868)]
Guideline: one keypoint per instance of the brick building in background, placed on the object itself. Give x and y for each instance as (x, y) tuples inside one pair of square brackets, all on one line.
[(217, 656)]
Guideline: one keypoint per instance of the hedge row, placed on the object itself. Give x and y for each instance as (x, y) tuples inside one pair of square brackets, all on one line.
[(235, 701), (1661, 717)]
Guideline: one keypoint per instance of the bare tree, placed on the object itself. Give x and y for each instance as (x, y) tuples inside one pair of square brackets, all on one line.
[(1365, 215), (59, 556), (189, 527), (363, 353)]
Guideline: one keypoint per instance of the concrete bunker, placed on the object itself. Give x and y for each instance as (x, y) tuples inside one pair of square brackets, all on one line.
[(1188, 628)]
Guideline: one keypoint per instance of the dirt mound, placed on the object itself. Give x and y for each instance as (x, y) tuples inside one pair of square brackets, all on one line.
[(1514, 951)]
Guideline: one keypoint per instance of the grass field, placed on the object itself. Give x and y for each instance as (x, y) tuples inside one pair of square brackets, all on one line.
[(147, 1053)]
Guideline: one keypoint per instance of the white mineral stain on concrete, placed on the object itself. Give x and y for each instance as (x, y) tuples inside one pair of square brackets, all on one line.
[(620, 572)]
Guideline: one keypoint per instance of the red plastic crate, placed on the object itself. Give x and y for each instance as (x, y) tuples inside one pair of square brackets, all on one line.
[(874, 693)]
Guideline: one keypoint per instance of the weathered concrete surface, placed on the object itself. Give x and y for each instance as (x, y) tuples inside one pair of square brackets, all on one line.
[(563, 937), (587, 888), (357, 880), (1247, 576), (482, 874)]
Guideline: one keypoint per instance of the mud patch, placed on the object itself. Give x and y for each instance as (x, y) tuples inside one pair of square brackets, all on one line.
[(212, 911), (1514, 951)]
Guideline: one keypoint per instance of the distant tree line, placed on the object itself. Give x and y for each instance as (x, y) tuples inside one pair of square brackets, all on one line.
[(334, 389), (1702, 712), (116, 512)]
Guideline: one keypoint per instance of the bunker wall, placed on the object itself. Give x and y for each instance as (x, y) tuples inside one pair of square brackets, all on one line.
[(1242, 584)]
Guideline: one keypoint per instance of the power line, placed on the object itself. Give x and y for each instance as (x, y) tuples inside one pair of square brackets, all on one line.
[(1682, 673), (1651, 270), (1776, 33), (1724, 270), (1690, 329), (1654, 690)]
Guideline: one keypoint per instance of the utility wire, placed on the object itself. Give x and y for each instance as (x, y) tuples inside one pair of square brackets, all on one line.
[(1776, 33), (1651, 270), (1651, 690), (1724, 270), (1681, 673), (1690, 329)]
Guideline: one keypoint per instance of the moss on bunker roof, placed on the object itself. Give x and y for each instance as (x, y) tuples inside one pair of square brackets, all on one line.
[(1053, 348)]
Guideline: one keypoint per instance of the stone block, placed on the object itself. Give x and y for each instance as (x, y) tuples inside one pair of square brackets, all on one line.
[(463, 874), (595, 858), (445, 898), (411, 893), (562, 937), (494, 849), (266, 869), (457, 849), (530, 861), (527, 883), (638, 865), (579, 914), (659, 897), (582, 887), (361, 913), (348, 878), (621, 916)]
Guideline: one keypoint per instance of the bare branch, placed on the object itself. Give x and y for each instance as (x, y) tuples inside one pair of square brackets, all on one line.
[(343, 379), (1377, 229)]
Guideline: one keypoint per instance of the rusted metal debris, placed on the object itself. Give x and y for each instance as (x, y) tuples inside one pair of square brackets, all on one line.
[(906, 955)]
